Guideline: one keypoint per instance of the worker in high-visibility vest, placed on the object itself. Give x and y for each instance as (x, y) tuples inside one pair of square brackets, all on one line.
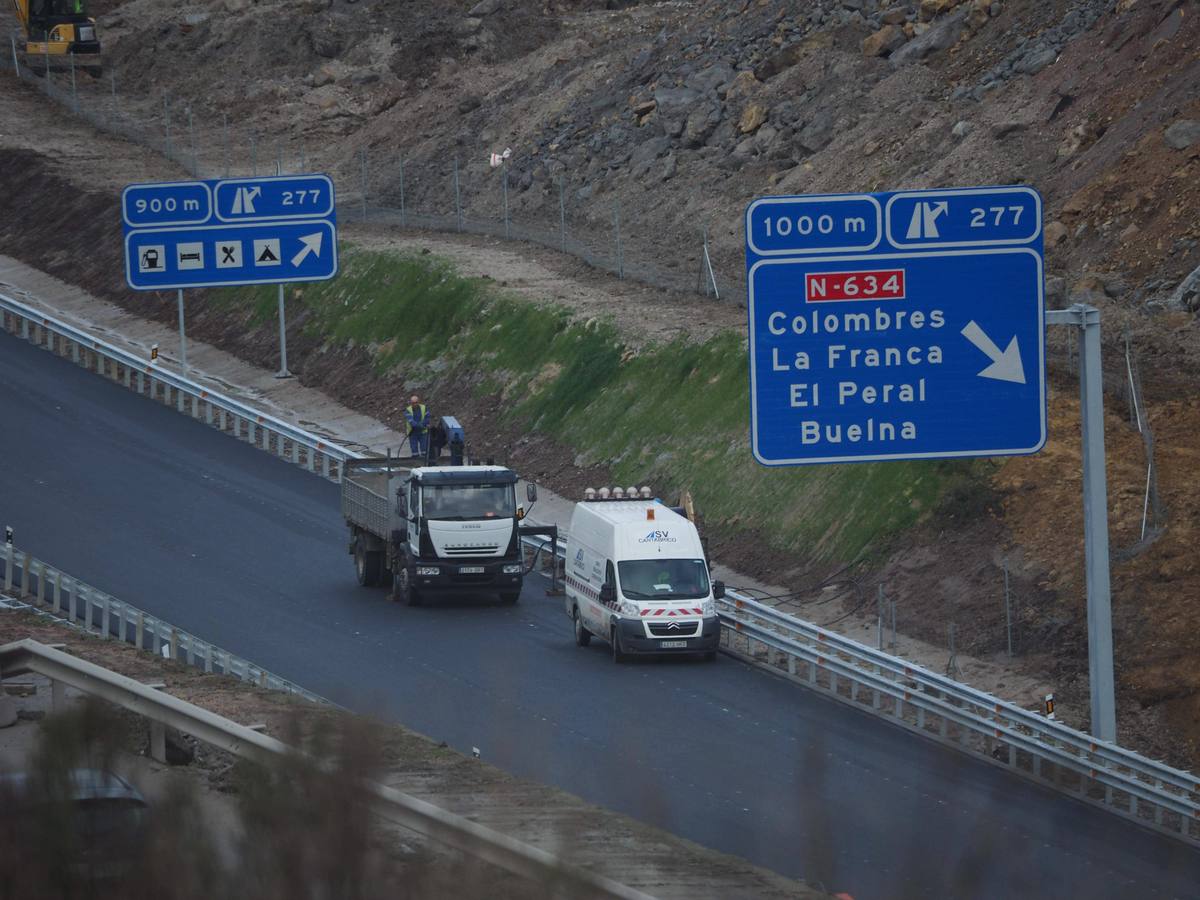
[(416, 423)]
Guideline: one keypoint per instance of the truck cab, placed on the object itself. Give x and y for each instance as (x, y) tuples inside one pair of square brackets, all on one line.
[(435, 530), (637, 577)]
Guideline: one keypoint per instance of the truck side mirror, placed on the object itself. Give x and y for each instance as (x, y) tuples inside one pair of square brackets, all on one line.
[(531, 493), (608, 593), (718, 590)]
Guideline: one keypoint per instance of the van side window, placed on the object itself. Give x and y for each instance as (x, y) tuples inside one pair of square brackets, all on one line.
[(610, 574)]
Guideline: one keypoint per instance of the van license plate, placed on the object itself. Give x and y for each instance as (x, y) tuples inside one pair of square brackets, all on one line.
[(470, 570), (671, 645)]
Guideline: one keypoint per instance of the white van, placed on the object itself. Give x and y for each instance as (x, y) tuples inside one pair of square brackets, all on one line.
[(636, 577)]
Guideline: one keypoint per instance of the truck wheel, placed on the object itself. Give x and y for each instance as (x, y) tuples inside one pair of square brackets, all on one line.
[(614, 639), (583, 637), (508, 598), (367, 564), (405, 591)]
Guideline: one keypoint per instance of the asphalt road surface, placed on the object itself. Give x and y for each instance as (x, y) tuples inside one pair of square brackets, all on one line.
[(250, 552)]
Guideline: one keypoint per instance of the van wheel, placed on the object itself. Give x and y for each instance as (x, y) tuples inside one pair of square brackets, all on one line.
[(367, 564), (614, 639), (509, 598), (583, 637), (405, 592)]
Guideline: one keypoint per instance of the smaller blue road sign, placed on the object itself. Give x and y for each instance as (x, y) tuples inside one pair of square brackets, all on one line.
[(229, 232), (891, 326)]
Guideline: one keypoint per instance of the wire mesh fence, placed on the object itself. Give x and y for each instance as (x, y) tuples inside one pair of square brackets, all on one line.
[(448, 193)]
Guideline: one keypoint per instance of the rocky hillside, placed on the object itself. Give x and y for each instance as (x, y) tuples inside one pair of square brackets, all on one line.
[(678, 112)]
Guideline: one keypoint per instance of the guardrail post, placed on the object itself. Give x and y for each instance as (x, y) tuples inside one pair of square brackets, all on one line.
[(139, 630), (57, 591), (105, 603), (41, 588), (325, 464), (208, 412), (174, 643), (87, 612), (122, 623), (158, 741), (26, 577), (208, 654), (75, 352), (9, 557), (221, 419)]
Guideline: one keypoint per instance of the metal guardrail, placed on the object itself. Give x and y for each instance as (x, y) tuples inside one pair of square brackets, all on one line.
[(934, 706), (145, 377), (45, 589), (29, 656)]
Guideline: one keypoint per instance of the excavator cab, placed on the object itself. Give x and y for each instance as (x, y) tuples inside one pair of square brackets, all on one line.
[(56, 31)]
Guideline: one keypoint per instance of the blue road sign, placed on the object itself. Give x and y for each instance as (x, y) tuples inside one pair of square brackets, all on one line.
[(891, 326), (229, 232)]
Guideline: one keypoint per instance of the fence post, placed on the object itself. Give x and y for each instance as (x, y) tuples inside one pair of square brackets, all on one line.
[(363, 155), (562, 214), (617, 233), (879, 628), (457, 197), (712, 276), (166, 126), (1008, 609), (26, 574), (57, 591), (16, 59), (403, 213), (192, 141), (504, 183)]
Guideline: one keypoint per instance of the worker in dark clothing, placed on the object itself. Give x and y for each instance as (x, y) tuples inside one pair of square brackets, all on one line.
[(437, 441), (416, 422)]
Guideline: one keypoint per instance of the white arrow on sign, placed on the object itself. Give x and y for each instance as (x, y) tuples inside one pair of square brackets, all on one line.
[(1005, 366), (312, 244)]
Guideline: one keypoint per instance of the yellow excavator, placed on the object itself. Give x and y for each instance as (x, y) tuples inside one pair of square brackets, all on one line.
[(59, 34)]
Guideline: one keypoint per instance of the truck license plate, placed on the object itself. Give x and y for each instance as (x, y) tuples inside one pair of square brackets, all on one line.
[(671, 645), (470, 570)]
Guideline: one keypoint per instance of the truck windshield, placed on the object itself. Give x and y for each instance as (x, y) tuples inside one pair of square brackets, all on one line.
[(469, 501), (663, 579)]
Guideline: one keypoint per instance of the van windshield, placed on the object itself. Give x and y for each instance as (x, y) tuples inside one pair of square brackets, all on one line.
[(469, 501), (663, 579)]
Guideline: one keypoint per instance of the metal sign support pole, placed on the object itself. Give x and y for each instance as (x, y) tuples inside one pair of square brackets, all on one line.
[(166, 125), (182, 336), (16, 59), (283, 366), (225, 133), (1095, 517), (192, 141)]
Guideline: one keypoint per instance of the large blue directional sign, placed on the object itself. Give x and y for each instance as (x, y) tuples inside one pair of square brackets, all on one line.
[(229, 232), (901, 325)]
